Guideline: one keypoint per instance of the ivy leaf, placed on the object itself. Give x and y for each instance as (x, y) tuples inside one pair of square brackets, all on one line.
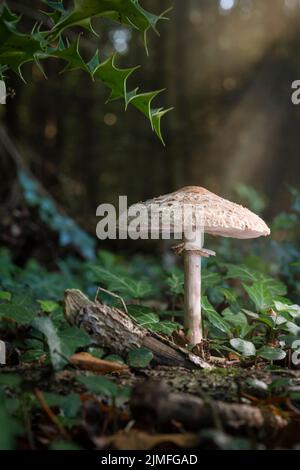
[(143, 315), (166, 327), (228, 294), (48, 306), (271, 354), (72, 338), (4, 295), (245, 274), (9, 428), (245, 347), (275, 287), (150, 320), (209, 279), (237, 319), (139, 357), (22, 308), (175, 283), (45, 326), (293, 310), (121, 284), (214, 317), (260, 295), (241, 272), (114, 358), (99, 385), (257, 384), (10, 380)]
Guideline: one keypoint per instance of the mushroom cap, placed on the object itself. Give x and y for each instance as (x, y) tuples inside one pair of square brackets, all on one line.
[(219, 216)]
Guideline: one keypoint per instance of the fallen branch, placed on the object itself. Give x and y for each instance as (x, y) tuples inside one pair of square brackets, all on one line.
[(154, 402), (110, 327)]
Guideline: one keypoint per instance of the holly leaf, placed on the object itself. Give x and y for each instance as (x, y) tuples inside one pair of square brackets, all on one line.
[(18, 48), (127, 12)]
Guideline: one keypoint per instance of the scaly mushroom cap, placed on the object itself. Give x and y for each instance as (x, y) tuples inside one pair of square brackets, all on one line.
[(219, 216)]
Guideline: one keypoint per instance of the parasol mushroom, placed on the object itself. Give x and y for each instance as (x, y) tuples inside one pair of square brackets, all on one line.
[(218, 216)]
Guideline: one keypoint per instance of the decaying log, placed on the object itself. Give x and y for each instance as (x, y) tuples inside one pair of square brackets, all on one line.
[(154, 401), (112, 328)]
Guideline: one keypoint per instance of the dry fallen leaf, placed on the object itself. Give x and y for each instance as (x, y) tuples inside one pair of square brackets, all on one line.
[(86, 361), (139, 440)]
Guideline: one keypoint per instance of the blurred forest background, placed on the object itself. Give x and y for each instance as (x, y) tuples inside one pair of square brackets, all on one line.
[(227, 66)]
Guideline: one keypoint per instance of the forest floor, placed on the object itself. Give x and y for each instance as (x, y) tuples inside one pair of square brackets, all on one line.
[(167, 408)]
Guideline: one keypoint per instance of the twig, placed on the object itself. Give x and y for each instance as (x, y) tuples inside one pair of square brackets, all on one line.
[(113, 295), (39, 395)]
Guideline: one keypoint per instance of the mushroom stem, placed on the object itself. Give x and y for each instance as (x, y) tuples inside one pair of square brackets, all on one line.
[(192, 296)]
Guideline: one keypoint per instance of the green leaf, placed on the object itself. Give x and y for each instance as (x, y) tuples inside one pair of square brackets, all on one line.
[(116, 79), (260, 295), (72, 338), (275, 287), (114, 358), (245, 274), (228, 294), (45, 326), (241, 272), (257, 384), (139, 357), (21, 308), (271, 354), (4, 295), (10, 380), (17, 48), (245, 347), (121, 284), (266, 320), (128, 12), (99, 385), (71, 405), (143, 315), (9, 429), (280, 383), (48, 306), (150, 320), (165, 327), (214, 317), (175, 282), (293, 310), (292, 328), (96, 352), (238, 321), (209, 280)]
